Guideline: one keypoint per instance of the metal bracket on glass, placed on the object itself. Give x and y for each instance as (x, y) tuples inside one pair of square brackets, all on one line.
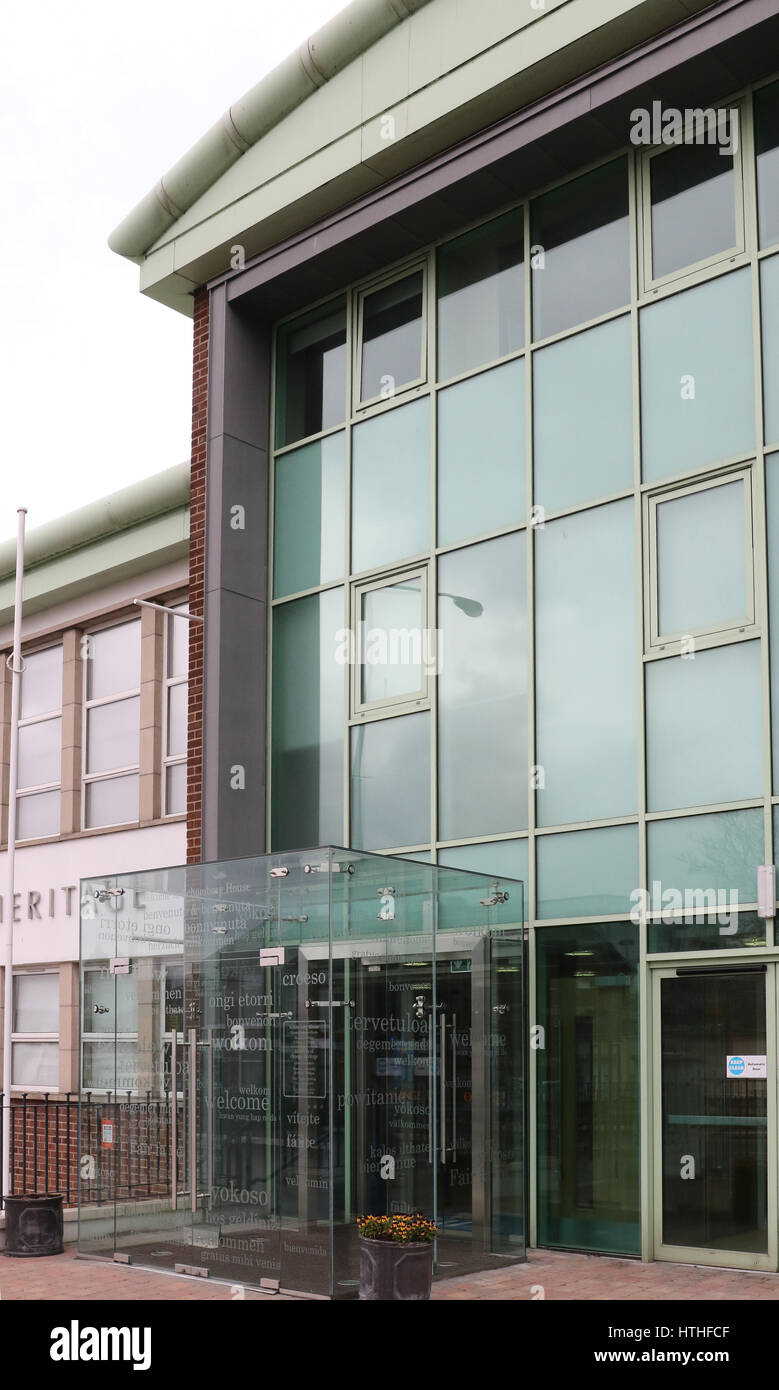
[(119, 965), (265, 1018), (121, 1259), (197, 1271), (497, 895), (323, 868), (329, 1004), (272, 955)]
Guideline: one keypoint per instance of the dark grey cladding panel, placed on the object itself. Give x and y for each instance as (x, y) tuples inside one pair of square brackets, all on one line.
[(234, 764), (237, 518)]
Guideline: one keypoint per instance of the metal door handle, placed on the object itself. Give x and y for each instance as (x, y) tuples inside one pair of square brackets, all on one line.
[(192, 1124), (430, 1027), (454, 1088), (174, 1139), (442, 1086)]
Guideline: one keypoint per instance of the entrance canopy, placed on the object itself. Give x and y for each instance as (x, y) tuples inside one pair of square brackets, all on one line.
[(274, 1046)]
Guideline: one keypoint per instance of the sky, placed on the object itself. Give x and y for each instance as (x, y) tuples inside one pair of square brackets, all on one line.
[(97, 100)]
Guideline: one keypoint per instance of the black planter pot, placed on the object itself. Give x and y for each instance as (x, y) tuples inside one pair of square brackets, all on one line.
[(33, 1225), (390, 1271)]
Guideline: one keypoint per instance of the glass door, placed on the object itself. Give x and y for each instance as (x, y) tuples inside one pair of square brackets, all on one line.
[(715, 1108)]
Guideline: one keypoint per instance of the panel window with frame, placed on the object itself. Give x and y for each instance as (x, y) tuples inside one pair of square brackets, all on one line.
[(35, 1036), (481, 295), (767, 153), (112, 725), (394, 662), (40, 745), (311, 373), (176, 709), (391, 337), (109, 1040), (693, 195)]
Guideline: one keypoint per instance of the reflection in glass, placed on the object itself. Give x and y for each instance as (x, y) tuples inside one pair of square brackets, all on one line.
[(585, 681), (308, 712), (772, 544), (701, 559), (311, 373), (308, 506), (698, 754), (697, 387), (391, 486), (718, 851), (587, 873), (481, 295), (35, 1065), (693, 205), (577, 385), (767, 151), (699, 928), (392, 662), (769, 302), (482, 690), (580, 266), (718, 1118), (499, 857), (481, 453), (588, 1087), (391, 782), (392, 337)]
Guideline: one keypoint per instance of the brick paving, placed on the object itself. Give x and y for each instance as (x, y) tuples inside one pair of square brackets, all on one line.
[(562, 1277)]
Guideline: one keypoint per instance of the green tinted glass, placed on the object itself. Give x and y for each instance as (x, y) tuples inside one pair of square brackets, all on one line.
[(481, 454)]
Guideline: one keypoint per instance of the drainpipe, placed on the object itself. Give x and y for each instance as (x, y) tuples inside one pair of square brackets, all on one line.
[(16, 669)]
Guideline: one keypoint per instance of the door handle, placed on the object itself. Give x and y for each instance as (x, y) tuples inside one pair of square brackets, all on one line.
[(454, 1088), (192, 1123), (442, 1084), (174, 1139), (430, 1027)]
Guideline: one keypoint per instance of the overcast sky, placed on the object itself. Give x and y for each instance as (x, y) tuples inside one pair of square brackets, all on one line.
[(97, 100)]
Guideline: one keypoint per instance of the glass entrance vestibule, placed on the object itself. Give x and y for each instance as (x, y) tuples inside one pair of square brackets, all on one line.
[(271, 1047)]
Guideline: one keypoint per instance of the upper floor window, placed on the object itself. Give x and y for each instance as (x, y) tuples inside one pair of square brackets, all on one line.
[(112, 725), (35, 1036), (175, 706), (40, 745), (392, 337), (767, 152), (311, 373)]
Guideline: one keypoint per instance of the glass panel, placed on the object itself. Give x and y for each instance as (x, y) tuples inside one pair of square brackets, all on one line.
[(36, 1065), (482, 689), (391, 782), (178, 646), (309, 509), (38, 815), (110, 1002), (114, 660), (176, 789), (41, 688), (481, 295), (769, 300), (308, 717), (505, 858), (588, 1088), (311, 373), (704, 738), (767, 150), (393, 641), (701, 560), (697, 387), (113, 801), (713, 853), (587, 873), (585, 686), (40, 753), (113, 735), (391, 486), (36, 1003), (577, 384), (392, 337), (693, 205), (177, 720), (110, 1066), (698, 928), (772, 541), (713, 1114), (580, 252), (481, 454)]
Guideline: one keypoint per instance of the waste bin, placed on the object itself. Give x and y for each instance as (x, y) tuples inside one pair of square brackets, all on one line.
[(33, 1225)]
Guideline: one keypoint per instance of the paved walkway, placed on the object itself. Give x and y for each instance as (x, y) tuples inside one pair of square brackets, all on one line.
[(553, 1275)]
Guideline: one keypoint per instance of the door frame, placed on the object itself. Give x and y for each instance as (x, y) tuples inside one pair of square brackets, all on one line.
[(703, 1255)]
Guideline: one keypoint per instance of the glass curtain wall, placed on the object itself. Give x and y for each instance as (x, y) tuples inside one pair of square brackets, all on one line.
[(272, 1047)]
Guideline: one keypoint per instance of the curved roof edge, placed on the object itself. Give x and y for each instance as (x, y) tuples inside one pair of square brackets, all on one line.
[(153, 496), (348, 35)]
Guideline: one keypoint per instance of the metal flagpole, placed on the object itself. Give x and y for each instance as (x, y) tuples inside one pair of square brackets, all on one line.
[(16, 668)]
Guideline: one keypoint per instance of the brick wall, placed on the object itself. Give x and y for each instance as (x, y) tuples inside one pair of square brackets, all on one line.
[(197, 555)]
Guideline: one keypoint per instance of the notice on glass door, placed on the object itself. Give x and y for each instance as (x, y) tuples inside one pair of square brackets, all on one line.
[(746, 1067), (304, 1049)]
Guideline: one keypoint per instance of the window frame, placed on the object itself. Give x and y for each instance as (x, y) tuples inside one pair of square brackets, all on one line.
[(89, 778), (36, 1037), (168, 682), (648, 281), (410, 702), (363, 292), (712, 634), (44, 718)]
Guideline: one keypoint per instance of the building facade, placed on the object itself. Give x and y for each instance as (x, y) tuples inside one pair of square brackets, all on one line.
[(485, 496), (101, 762)]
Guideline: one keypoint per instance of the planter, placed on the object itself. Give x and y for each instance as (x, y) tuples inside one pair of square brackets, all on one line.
[(391, 1270), (33, 1225)]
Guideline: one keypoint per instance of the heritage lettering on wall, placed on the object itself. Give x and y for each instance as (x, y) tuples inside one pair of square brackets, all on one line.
[(36, 906)]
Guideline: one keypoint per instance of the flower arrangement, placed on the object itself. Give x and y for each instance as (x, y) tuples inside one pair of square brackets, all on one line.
[(401, 1229)]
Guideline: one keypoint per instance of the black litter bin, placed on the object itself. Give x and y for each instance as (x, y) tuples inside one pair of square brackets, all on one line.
[(33, 1225)]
